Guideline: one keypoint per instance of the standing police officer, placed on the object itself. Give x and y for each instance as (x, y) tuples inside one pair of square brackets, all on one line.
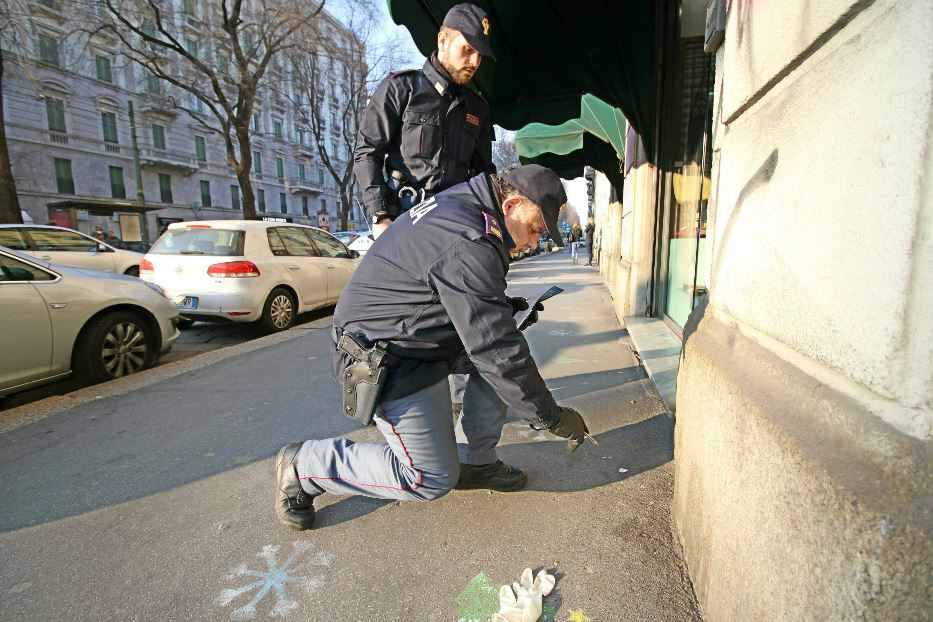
[(425, 131), (431, 287)]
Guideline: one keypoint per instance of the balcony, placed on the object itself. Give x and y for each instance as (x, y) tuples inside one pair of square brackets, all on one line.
[(296, 185), (305, 151), (159, 104), (150, 156)]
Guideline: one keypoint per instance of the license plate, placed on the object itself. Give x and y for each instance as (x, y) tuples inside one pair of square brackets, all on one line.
[(186, 302)]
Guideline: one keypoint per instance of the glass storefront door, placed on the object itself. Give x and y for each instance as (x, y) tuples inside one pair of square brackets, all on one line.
[(690, 186)]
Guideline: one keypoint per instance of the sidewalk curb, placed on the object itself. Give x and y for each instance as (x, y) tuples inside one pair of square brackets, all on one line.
[(26, 414)]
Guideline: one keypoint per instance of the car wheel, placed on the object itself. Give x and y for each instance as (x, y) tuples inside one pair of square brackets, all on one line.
[(132, 271), (185, 323), (279, 311), (112, 346)]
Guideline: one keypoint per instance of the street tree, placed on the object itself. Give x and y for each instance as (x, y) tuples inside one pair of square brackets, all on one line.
[(504, 155), (14, 34), (217, 53), (332, 72)]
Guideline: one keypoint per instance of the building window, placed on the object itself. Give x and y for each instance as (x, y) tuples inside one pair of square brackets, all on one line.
[(153, 86), (109, 122), (117, 187), (304, 205), (63, 178), (196, 105), (261, 196), (257, 162), (235, 197), (280, 168), (48, 49), (55, 111), (320, 175), (165, 188), (192, 47), (206, 193), (158, 136), (283, 203), (200, 148), (187, 7), (323, 205), (277, 130), (301, 171), (104, 69), (256, 122)]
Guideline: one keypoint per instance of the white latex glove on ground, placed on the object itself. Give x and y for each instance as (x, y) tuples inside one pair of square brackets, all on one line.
[(524, 604)]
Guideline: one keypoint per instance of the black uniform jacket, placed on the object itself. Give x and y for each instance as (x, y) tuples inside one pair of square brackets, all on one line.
[(421, 123), (433, 286)]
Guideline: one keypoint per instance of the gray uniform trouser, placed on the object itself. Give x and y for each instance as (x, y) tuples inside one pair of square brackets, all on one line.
[(421, 457)]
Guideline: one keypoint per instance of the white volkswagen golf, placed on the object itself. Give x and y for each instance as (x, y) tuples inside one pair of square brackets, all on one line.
[(248, 271)]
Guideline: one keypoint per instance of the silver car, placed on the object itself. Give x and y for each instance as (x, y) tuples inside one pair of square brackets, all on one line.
[(248, 271), (59, 320), (67, 247)]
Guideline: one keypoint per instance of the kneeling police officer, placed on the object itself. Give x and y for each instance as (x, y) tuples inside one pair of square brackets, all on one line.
[(431, 287)]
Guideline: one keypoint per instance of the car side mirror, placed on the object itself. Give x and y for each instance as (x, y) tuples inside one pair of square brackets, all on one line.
[(354, 254)]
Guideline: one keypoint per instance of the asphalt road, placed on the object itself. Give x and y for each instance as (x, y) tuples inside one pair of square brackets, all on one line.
[(201, 337), (153, 501)]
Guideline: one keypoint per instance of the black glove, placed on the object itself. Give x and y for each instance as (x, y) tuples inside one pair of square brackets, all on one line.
[(570, 425), (520, 304)]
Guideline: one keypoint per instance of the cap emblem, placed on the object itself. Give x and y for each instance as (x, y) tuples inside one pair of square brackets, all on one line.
[(486, 26)]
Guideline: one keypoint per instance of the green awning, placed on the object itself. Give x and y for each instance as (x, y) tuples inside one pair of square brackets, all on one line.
[(596, 117), (593, 152), (552, 53), (596, 138)]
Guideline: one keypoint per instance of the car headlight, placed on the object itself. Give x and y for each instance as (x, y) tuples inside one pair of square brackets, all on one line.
[(157, 289)]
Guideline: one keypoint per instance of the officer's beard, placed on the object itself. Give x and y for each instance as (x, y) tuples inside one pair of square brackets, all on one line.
[(460, 76)]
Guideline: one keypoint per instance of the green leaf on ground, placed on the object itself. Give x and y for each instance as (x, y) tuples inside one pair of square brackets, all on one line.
[(548, 613), (478, 601)]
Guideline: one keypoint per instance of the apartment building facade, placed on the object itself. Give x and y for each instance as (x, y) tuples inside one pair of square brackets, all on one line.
[(82, 120)]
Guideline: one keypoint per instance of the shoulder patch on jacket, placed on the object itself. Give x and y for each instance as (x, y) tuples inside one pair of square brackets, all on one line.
[(493, 230), (403, 72)]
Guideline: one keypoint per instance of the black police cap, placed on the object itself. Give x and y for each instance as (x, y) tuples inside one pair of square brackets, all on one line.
[(473, 23), (543, 187)]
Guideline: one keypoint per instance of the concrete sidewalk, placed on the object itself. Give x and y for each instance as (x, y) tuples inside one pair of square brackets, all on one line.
[(156, 503)]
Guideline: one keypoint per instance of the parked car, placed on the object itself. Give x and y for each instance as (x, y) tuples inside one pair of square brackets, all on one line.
[(347, 237), (248, 271), (362, 243), (67, 247), (59, 320)]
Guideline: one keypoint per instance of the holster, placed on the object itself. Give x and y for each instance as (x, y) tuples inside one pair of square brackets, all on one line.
[(363, 379)]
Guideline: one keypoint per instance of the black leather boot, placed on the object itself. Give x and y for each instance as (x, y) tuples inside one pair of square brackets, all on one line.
[(494, 476), (293, 506)]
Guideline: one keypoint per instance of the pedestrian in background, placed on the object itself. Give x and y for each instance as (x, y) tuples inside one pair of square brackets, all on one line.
[(590, 234), (113, 240), (574, 237)]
